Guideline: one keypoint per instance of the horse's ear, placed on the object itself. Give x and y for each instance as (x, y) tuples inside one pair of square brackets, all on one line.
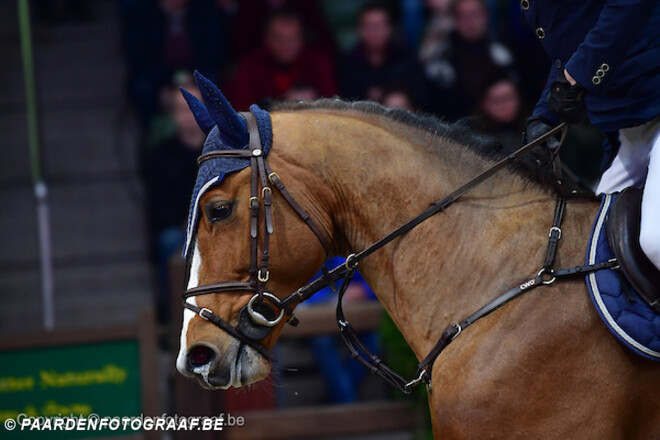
[(198, 110), (230, 124)]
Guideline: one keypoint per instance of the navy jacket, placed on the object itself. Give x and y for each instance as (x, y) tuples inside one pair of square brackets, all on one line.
[(610, 47)]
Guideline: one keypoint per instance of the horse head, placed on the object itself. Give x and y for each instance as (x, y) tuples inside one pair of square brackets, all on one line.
[(234, 258)]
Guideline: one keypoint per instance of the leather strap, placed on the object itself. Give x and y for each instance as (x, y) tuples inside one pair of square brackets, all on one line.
[(224, 325), (555, 234), (258, 270), (358, 350), (304, 216), (352, 261), (222, 154), (547, 275), (230, 286)]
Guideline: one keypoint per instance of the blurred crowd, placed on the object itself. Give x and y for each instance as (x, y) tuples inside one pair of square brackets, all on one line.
[(452, 58), (441, 56)]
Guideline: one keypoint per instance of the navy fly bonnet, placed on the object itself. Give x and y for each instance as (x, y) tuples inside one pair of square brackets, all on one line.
[(225, 130)]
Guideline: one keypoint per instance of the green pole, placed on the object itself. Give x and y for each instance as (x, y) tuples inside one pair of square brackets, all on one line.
[(40, 188), (30, 88)]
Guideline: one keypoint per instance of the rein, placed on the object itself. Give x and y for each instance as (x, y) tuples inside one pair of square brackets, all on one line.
[(546, 276), (257, 319), (440, 205)]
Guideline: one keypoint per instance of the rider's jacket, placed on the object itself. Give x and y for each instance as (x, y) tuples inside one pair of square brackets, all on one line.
[(610, 47)]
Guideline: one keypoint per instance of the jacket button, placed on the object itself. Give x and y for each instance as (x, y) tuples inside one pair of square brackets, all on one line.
[(595, 80), (540, 32), (605, 67), (600, 73), (524, 4), (558, 63)]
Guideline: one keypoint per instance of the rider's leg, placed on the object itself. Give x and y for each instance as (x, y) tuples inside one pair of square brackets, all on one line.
[(637, 162), (629, 165), (649, 237)]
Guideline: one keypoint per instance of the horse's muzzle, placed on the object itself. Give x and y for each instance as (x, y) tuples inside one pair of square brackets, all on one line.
[(238, 367)]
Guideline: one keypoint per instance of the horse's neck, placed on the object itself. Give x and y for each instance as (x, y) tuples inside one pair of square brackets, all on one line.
[(449, 265)]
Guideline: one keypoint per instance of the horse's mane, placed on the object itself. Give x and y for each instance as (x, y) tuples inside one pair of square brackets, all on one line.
[(461, 132)]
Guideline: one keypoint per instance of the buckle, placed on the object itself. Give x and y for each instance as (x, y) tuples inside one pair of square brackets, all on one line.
[(557, 230), (616, 266), (205, 313), (459, 330), (421, 378), (348, 264), (263, 278), (254, 203), (274, 178)]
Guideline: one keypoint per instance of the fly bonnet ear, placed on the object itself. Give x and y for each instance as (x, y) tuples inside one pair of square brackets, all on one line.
[(231, 126), (199, 111)]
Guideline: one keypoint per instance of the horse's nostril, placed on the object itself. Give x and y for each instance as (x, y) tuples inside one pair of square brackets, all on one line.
[(200, 355)]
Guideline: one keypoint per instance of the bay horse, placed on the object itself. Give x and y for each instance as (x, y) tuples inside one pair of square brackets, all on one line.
[(542, 367)]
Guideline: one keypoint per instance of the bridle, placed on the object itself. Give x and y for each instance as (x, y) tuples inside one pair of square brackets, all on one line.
[(257, 319)]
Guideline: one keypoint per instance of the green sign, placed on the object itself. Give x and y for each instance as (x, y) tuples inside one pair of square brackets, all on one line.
[(101, 378)]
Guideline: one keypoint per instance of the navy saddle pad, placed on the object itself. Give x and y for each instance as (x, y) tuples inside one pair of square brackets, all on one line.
[(622, 310)]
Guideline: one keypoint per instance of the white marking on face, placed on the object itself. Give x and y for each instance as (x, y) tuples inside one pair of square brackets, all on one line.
[(245, 367), (193, 281), (193, 220)]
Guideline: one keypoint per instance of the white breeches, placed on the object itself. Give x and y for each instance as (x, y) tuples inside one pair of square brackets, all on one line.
[(637, 162)]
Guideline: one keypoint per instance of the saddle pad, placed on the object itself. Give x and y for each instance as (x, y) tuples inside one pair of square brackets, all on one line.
[(623, 312)]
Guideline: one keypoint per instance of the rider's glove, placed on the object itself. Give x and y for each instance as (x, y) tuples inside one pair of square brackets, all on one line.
[(541, 155), (566, 100)]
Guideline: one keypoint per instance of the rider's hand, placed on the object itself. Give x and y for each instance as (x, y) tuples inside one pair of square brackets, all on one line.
[(566, 99), (537, 127), (541, 155)]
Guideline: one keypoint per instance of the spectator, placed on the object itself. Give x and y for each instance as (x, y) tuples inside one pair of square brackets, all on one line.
[(163, 36), (283, 63), (466, 61), (396, 96), (501, 112), (170, 170), (252, 16), (301, 92), (438, 28), (377, 60), (342, 374)]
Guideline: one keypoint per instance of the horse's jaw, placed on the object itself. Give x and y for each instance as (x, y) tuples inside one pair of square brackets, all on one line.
[(239, 366)]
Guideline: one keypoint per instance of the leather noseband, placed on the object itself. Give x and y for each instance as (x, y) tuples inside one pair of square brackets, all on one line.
[(257, 319)]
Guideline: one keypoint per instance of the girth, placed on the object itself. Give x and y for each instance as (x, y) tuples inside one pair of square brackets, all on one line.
[(257, 318)]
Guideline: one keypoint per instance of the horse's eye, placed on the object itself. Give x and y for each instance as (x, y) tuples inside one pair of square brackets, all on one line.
[(218, 211)]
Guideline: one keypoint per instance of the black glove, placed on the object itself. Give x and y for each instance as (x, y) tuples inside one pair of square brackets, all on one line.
[(540, 156), (567, 101)]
